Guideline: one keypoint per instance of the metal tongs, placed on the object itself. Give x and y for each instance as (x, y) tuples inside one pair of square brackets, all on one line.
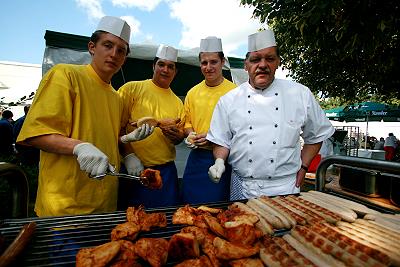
[(143, 180)]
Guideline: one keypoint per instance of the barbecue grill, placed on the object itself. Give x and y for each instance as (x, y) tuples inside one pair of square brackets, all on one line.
[(57, 239), (386, 168)]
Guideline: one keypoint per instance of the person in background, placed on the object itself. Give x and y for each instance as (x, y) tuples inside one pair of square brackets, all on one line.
[(6, 135), (27, 155), (154, 98), (199, 106), (390, 146), (380, 144), (75, 120), (256, 127)]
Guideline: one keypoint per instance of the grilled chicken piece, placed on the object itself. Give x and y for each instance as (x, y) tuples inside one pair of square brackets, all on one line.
[(98, 256), (205, 240), (126, 256), (190, 216), (247, 262), (153, 177), (214, 225), (184, 215), (241, 233), (162, 123), (183, 246), (228, 251), (146, 220), (234, 213), (152, 122), (209, 249), (203, 261), (152, 250), (128, 230), (210, 210), (147, 120), (199, 233)]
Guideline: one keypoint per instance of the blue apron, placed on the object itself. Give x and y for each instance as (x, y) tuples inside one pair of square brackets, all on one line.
[(153, 198), (197, 186)]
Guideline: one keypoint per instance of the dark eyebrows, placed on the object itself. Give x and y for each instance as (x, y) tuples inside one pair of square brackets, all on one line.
[(108, 42)]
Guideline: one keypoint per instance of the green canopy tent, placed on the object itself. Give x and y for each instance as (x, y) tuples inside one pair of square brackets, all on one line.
[(335, 114), (370, 111), (365, 112)]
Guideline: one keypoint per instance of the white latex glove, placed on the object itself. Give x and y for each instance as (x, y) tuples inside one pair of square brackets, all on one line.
[(133, 164), (215, 171), (187, 140), (91, 159), (138, 134)]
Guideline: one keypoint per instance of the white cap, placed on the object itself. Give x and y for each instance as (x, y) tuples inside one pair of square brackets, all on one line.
[(261, 40), (211, 44), (116, 26), (167, 52)]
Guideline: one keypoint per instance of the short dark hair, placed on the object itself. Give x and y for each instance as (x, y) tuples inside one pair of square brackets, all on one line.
[(157, 58), (96, 37), (7, 114), (220, 54)]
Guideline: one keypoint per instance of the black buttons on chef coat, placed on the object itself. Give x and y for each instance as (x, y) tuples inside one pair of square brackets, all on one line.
[(250, 128), (276, 125), (248, 111), (269, 177), (250, 142), (276, 108), (248, 96), (250, 160), (276, 93), (274, 142), (272, 161)]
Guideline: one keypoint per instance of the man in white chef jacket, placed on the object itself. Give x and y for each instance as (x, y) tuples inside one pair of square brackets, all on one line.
[(256, 127)]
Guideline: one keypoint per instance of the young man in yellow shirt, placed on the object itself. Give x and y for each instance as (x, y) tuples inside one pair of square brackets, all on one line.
[(75, 121), (199, 106), (154, 98)]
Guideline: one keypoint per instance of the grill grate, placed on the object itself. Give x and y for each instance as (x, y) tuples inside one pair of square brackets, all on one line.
[(57, 239)]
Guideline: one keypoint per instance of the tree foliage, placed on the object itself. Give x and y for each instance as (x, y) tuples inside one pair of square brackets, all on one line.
[(339, 48)]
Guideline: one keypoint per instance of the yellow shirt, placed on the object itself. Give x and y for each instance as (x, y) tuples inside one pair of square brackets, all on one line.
[(74, 102), (144, 99), (200, 102)]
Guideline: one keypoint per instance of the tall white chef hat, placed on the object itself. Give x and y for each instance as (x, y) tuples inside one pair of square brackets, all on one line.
[(211, 44), (116, 26), (167, 52), (261, 40)]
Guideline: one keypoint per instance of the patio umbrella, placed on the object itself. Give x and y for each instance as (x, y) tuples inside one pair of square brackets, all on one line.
[(335, 114), (365, 112)]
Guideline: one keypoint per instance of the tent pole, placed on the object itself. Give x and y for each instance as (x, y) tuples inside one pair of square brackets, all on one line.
[(366, 133)]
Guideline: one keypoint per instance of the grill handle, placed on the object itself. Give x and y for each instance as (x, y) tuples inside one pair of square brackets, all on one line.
[(379, 165), (18, 182)]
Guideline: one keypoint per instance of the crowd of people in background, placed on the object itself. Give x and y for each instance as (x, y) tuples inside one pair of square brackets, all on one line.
[(9, 130), (390, 145)]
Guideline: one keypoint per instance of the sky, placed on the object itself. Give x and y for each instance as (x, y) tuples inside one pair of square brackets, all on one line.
[(179, 23)]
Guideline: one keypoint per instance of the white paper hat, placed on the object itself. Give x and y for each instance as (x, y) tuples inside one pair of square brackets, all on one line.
[(261, 40), (167, 52), (211, 44), (116, 26)]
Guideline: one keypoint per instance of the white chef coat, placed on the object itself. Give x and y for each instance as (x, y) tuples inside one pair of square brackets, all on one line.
[(261, 128)]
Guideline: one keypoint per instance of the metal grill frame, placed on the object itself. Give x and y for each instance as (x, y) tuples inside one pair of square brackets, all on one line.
[(57, 239)]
